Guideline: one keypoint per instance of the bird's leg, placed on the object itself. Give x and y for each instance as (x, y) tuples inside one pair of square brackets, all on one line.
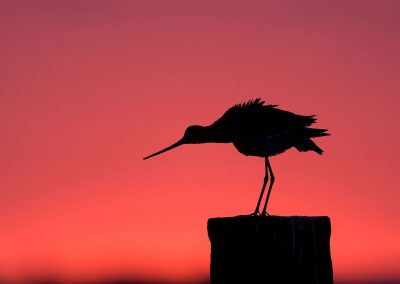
[(268, 165), (256, 212)]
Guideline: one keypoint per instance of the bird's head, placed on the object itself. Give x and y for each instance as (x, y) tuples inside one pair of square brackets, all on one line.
[(193, 135)]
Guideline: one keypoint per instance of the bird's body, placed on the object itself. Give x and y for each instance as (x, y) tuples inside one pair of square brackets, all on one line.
[(258, 130), (262, 130)]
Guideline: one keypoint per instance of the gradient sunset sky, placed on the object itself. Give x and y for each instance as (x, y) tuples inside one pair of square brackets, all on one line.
[(88, 88)]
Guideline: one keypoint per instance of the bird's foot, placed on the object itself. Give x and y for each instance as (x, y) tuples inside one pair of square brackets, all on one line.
[(255, 213), (264, 213)]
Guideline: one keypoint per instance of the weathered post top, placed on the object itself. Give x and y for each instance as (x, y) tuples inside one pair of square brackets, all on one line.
[(270, 249)]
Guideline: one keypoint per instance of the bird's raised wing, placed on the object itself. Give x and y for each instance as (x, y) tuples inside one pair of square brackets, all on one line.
[(255, 118)]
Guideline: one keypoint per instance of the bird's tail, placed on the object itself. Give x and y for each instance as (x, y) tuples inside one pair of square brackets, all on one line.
[(315, 132), (308, 145)]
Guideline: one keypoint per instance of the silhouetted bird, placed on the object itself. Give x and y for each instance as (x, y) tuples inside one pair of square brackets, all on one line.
[(258, 130)]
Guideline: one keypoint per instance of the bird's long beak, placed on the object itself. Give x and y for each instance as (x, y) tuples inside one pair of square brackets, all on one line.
[(165, 150)]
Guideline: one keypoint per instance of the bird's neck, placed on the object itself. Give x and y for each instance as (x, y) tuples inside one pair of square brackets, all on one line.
[(214, 135)]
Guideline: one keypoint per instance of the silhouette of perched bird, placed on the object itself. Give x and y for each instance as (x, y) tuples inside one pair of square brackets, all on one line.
[(258, 130)]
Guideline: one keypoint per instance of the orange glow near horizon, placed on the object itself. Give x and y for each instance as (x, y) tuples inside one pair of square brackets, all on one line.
[(89, 88)]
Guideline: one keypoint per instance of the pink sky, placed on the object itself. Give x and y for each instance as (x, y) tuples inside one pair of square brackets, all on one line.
[(88, 88)]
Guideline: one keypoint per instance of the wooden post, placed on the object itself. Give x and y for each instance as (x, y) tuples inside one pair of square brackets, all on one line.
[(270, 249)]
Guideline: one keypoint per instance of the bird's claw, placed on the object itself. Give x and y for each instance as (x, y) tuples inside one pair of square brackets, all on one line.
[(264, 213), (257, 214)]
